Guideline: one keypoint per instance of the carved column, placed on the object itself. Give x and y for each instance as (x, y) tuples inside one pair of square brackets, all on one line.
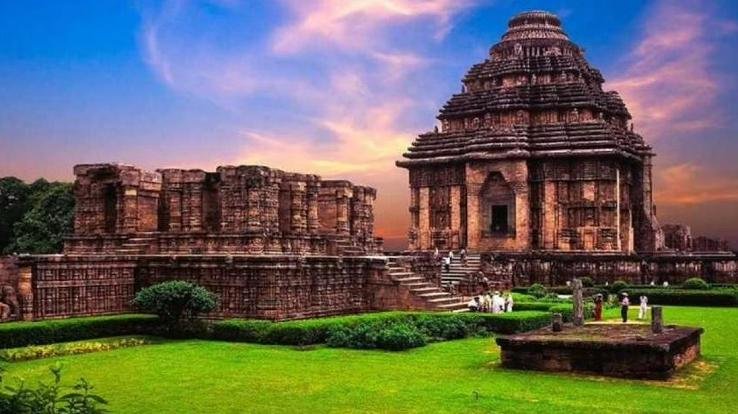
[(127, 216), (312, 207), (424, 231), (253, 222), (298, 208), (342, 212), (455, 204)]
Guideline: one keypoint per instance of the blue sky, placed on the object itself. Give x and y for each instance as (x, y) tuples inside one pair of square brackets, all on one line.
[(341, 87)]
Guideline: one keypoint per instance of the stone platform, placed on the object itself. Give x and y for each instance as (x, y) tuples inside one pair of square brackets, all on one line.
[(630, 351)]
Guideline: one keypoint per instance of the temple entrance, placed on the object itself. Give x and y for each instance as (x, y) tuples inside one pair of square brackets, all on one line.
[(498, 207), (498, 219)]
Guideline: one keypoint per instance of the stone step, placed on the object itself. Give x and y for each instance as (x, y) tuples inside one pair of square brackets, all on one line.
[(401, 274), (438, 294), (410, 279), (424, 289)]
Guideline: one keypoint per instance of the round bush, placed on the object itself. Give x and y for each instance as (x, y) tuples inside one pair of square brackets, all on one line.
[(537, 290), (399, 337), (175, 301), (618, 286), (587, 281), (695, 283)]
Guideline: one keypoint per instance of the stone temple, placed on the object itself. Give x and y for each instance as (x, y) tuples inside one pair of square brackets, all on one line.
[(533, 154), (536, 171)]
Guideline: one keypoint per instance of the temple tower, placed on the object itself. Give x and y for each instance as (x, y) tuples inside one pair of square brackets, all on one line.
[(532, 154)]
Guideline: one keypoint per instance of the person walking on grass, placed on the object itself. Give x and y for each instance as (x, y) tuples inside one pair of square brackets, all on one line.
[(624, 303), (643, 309)]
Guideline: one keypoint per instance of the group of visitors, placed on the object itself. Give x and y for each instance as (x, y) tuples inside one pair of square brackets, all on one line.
[(494, 303), (447, 259), (625, 304)]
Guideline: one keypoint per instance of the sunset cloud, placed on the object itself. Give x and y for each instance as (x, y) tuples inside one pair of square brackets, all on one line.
[(692, 184), (670, 84), (357, 25)]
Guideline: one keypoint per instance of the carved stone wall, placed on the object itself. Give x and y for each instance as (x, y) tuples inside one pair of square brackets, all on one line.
[(237, 209)]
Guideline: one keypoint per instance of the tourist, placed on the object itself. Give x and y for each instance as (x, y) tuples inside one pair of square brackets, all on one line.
[(436, 255), (509, 303), (624, 303), (462, 254), (598, 306), (653, 283), (498, 303), (487, 302), (447, 264), (643, 309), (666, 284), (450, 255), (473, 304)]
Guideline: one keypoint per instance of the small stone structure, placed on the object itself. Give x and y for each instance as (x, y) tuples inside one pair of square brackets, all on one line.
[(630, 351)]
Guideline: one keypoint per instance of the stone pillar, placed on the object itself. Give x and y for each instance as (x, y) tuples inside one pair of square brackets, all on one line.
[(25, 292), (342, 212), (473, 232), (298, 208), (312, 207), (549, 215), (578, 317), (127, 215), (253, 216), (657, 319), (424, 218), (455, 202), (557, 322)]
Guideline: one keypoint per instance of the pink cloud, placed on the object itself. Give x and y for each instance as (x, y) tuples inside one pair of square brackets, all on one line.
[(357, 25), (689, 183), (669, 84)]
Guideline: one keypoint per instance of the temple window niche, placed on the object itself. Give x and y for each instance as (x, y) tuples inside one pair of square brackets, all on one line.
[(498, 207)]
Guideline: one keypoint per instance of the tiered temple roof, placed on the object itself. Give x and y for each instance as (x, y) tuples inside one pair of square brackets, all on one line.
[(534, 96)]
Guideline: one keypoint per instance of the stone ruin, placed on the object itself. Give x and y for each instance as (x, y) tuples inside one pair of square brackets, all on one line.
[(634, 351), (271, 244)]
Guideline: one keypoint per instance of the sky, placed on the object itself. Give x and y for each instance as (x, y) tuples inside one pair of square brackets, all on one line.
[(341, 87)]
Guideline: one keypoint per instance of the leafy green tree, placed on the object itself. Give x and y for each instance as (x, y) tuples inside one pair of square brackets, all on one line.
[(13, 205), (49, 218), (176, 302)]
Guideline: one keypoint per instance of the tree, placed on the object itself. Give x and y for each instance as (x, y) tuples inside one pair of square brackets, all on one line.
[(49, 218), (13, 205), (175, 302)]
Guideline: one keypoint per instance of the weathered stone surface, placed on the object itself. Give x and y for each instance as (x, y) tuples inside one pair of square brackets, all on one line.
[(532, 155), (630, 351)]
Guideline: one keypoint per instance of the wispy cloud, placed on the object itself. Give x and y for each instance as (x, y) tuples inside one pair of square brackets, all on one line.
[(689, 183), (357, 25), (669, 82)]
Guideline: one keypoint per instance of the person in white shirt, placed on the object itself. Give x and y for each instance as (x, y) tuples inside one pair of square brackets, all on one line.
[(624, 303), (509, 303), (447, 264), (473, 304), (498, 304), (487, 303), (643, 309)]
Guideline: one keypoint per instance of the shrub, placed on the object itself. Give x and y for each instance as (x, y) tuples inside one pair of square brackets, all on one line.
[(17, 334), (695, 283), (685, 297), (521, 297), (618, 286), (71, 348), (537, 290), (362, 331), (50, 399), (399, 337), (587, 281), (175, 301), (533, 306)]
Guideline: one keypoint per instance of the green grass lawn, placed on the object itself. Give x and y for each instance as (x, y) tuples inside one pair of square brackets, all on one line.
[(458, 376)]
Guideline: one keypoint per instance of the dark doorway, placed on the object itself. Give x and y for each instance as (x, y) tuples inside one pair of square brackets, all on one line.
[(499, 219), (111, 208)]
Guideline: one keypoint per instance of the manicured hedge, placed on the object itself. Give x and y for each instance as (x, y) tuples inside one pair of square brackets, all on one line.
[(685, 297), (432, 325), (567, 311), (17, 334)]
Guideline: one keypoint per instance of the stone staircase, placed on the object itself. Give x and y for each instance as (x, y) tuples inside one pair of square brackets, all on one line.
[(346, 248), (459, 271), (432, 297), (135, 246)]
